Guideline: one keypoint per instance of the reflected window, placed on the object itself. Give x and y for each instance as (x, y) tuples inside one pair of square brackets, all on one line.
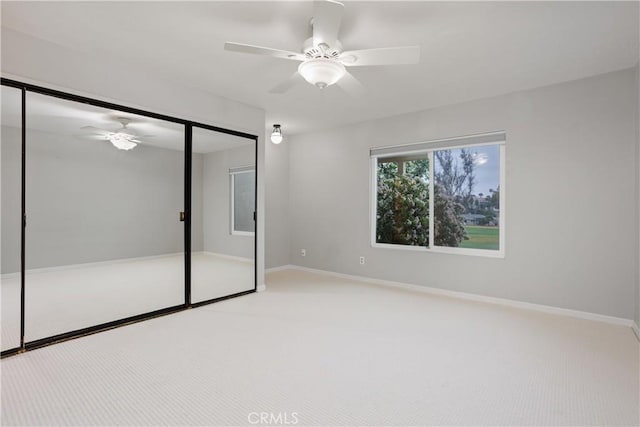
[(243, 196)]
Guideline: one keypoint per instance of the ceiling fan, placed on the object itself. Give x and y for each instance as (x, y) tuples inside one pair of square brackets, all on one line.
[(323, 60), (122, 138)]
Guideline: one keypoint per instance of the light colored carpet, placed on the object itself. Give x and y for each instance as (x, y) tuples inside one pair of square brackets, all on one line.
[(335, 352), (69, 298)]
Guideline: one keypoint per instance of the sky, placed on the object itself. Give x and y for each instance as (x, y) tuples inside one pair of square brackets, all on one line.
[(487, 170)]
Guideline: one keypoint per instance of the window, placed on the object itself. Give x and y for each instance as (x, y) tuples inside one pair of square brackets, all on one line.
[(243, 193), (403, 201), (464, 177)]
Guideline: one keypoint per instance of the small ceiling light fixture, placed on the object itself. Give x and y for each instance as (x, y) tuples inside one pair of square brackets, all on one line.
[(321, 72), (276, 134)]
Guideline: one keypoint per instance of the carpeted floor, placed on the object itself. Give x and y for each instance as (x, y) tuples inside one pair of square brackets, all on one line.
[(64, 299), (325, 351)]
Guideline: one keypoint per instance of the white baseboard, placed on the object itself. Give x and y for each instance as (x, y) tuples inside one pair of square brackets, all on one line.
[(474, 297), (7, 276), (636, 330), (224, 256), (262, 288), (90, 264), (280, 268)]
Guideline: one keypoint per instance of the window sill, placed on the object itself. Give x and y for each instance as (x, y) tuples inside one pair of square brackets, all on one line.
[(243, 233), (400, 247), (443, 250), (486, 253)]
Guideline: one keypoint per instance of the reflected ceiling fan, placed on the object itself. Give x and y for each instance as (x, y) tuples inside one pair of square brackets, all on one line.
[(123, 138), (323, 60)]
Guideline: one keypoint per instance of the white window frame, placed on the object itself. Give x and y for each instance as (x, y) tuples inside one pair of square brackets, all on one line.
[(232, 174), (429, 148)]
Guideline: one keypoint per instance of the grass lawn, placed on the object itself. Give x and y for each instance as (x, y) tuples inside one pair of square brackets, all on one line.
[(481, 237)]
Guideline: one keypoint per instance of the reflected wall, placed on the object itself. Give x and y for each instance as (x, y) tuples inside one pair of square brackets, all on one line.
[(222, 261), (104, 240)]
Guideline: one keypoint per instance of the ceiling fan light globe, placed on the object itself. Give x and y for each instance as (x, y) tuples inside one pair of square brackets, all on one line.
[(321, 72), (122, 141), (124, 145)]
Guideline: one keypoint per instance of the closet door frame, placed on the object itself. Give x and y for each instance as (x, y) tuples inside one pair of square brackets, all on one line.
[(189, 145), (188, 128)]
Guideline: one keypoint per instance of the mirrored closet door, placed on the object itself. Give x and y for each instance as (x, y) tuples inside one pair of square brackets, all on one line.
[(223, 215), (112, 214), (11, 168), (104, 192)]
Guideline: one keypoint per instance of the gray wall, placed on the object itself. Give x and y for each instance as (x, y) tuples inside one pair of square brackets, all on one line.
[(92, 202), (88, 74), (216, 198), (277, 203), (10, 153), (570, 197)]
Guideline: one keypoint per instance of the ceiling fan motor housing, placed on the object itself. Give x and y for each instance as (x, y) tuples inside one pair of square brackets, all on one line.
[(312, 51)]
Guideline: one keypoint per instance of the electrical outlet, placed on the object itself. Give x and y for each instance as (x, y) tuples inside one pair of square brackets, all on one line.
[(303, 252), (361, 260)]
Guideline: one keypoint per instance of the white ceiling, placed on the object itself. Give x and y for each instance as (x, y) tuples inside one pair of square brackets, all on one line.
[(469, 50), (63, 117)]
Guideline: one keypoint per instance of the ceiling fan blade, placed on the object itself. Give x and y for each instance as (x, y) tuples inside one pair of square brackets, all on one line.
[(259, 50), (93, 136), (381, 56), (351, 85), (293, 80), (93, 128), (327, 17)]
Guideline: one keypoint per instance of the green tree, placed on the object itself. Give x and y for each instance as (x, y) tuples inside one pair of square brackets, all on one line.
[(403, 211), (495, 198), (403, 208), (417, 168), (457, 179), (449, 226), (387, 170)]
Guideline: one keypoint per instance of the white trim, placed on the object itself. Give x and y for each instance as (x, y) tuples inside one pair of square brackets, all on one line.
[(243, 233), (279, 268), (373, 200), (400, 247), (242, 169), (503, 201), (232, 175), (87, 265), (117, 261), (261, 288), (225, 256), (636, 330), (432, 199), (479, 298), (487, 253)]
